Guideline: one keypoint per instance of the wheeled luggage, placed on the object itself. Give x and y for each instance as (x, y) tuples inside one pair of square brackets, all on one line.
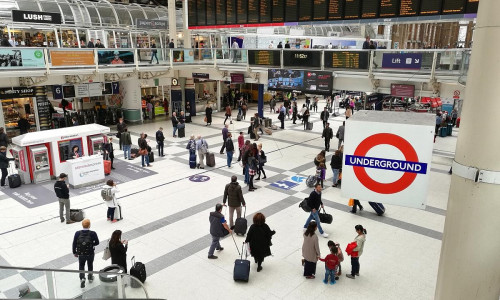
[(443, 131), (457, 123), (14, 180), (192, 160), (325, 218), (268, 131), (107, 167), (250, 130), (210, 159), (449, 129), (181, 132), (309, 126), (377, 207), (138, 270), (311, 181), (241, 267), (151, 156), (252, 135), (76, 215), (240, 226), (118, 213), (238, 117)]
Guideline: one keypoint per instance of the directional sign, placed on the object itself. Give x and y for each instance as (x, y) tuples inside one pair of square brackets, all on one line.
[(199, 178), (412, 61), (284, 184)]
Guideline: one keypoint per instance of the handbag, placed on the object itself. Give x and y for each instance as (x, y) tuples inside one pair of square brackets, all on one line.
[(304, 205), (143, 152), (205, 120), (325, 218), (351, 202), (106, 254)]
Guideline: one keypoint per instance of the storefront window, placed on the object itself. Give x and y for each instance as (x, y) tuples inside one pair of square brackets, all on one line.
[(13, 110), (34, 38), (122, 39), (68, 38)]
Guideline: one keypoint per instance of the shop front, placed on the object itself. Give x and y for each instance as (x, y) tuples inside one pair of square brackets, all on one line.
[(204, 93), (157, 96), (17, 103)]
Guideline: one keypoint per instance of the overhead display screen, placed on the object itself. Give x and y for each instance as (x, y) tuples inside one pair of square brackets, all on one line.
[(253, 11), (210, 12), (264, 57), (352, 9), (201, 12), (296, 58), (305, 10), (336, 10), (278, 8), (220, 12), (453, 6), (472, 6), (192, 21), (291, 13), (430, 7), (265, 11), (356, 60), (316, 82), (241, 11), (388, 8), (369, 9), (320, 10), (409, 8), (230, 11)]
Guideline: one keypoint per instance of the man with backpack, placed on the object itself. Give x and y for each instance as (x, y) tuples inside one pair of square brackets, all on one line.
[(108, 194), (83, 247), (202, 148)]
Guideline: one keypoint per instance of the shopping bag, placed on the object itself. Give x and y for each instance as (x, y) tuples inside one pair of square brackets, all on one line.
[(351, 202)]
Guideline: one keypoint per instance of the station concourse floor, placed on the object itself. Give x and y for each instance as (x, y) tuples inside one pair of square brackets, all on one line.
[(166, 221)]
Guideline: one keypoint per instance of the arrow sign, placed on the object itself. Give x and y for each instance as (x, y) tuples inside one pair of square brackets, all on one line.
[(412, 61)]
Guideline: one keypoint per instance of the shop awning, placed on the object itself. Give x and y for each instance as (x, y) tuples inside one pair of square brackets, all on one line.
[(61, 134)]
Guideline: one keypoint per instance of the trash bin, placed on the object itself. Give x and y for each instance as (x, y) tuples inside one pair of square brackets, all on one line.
[(109, 287)]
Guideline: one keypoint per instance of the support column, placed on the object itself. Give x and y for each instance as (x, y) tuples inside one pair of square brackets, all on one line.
[(172, 29), (219, 95), (260, 106), (469, 267)]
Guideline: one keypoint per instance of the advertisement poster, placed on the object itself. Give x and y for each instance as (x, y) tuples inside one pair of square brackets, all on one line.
[(121, 57), (43, 108), (186, 56), (21, 58), (60, 58)]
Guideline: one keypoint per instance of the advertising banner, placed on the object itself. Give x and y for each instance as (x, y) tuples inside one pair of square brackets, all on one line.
[(43, 108), (60, 58), (25, 16), (186, 56), (121, 57), (14, 58), (17, 92)]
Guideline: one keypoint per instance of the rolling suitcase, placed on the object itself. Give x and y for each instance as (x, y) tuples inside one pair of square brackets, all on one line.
[(325, 218), (210, 159), (107, 167), (309, 126), (443, 131), (138, 270), (240, 226), (13, 179), (250, 129), (449, 129), (181, 132), (76, 215), (238, 117), (192, 161), (118, 213), (377, 207), (241, 266), (268, 131), (311, 181), (252, 136), (151, 156)]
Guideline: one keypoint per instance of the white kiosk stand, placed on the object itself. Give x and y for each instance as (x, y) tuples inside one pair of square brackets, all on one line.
[(86, 170)]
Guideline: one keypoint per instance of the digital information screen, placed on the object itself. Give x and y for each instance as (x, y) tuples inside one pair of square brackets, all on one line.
[(305, 10), (265, 11), (201, 12), (355, 60), (306, 59), (352, 9), (369, 9), (210, 12), (220, 11), (264, 57), (230, 11), (291, 10), (241, 11), (320, 10), (318, 82), (315, 82), (192, 21), (472, 6), (409, 8), (253, 11), (430, 7), (278, 8), (388, 8), (336, 10), (453, 6)]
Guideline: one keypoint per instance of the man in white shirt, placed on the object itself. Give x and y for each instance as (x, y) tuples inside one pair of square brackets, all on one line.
[(235, 52), (271, 45), (330, 46)]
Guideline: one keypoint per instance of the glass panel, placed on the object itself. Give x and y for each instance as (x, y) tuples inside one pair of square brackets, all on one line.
[(50, 7), (122, 39), (69, 18), (107, 15), (152, 15), (123, 16), (68, 38), (33, 285), (23, 5), (94, 16)]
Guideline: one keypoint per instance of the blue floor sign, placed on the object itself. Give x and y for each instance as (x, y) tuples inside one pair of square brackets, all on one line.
[(284, 185)]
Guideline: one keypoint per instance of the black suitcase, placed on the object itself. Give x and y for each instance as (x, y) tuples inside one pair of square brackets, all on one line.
[(210, 159), (241, 267), (240, 226), (138, 270), (181, 132), (377, 207), (238, 117), (325, 218), (76, 215), (14, 180), (192, 161), (309, 126), (151, 156), (250, 130)]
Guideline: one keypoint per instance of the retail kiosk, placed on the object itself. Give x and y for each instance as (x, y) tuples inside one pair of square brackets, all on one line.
[(76, 151)]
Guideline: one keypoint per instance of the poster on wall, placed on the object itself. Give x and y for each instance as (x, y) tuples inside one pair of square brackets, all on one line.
[(43, 108), (116, 57), (186, 56), (59, 58), (14, 58), (81, 90)]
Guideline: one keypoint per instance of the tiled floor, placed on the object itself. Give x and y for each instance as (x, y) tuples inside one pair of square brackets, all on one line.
[(166, 221)]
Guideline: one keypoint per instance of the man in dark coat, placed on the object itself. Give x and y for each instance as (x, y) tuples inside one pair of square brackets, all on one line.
[(160, 140), (120, 127), (234, 197), (327, 135), (324, 116), (217, 225), (109, 152), (4, 163)]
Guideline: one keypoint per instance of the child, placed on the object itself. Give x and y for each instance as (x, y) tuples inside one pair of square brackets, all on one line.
[(340, 255), (331, 263), (321, 173)]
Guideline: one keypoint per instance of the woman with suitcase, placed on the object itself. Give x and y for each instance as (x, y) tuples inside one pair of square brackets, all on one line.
[(310, 250), (360, 244), (191, 146), (259, 237), (118, 249)]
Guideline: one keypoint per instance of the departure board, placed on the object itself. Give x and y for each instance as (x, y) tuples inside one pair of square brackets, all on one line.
[(320, 11), (369, 9), (297, 58), (201, 12), (220, 11), (305, 10), (352, 9), (291, 10), (210, 12), (472, 6), (356, 60), (241, 11), (278, 8), (409, 8), (192, 21), (253, 11), (388, 8), (454, 6), (230, 11), (265, 11), (264, 57), (336, 10), (430, 7)]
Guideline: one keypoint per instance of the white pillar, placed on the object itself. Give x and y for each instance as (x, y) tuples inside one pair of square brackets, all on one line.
[(469, 267), (172, 29)]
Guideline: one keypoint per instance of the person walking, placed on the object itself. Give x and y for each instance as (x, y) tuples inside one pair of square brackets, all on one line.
[(287, 105), (225, 131), (315, 103), (281, 116), (340, 134), (355, 206), (234, 197), (109, 152), (348, 112), (154, 52), (305, 118), (4, 163), (244, 108), (171, 45), (175, 122), (331, 265), (321, 173), (217, 226), (229, 149), (327, 135), (202, 148), (126, 141), (235, 46), (149, 107), (336, 165), (256, 126), (259, 237), (294, 112), (310, 250), (324, 116), (247, 148), (356, 252), (62, 192), (160, 141), (118, 249), (208, 114), (23, 124), (228, 115), (262, 159), (272, 105), (109, 191), (314, 202), (143, 150), (241, 144), (252, 168), (84, 243), (120, 127)]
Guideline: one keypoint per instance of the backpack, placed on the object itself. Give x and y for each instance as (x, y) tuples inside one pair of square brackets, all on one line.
[(204, 147), (84, 245), (106, 194)]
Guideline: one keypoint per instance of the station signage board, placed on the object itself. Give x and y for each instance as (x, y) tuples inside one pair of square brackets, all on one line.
[(264, 57), (388, 157), (17, 92), (151, 24), (296, 58), (201, 75), (355, 60), (403, 90), (25, 16), (409, 61)]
